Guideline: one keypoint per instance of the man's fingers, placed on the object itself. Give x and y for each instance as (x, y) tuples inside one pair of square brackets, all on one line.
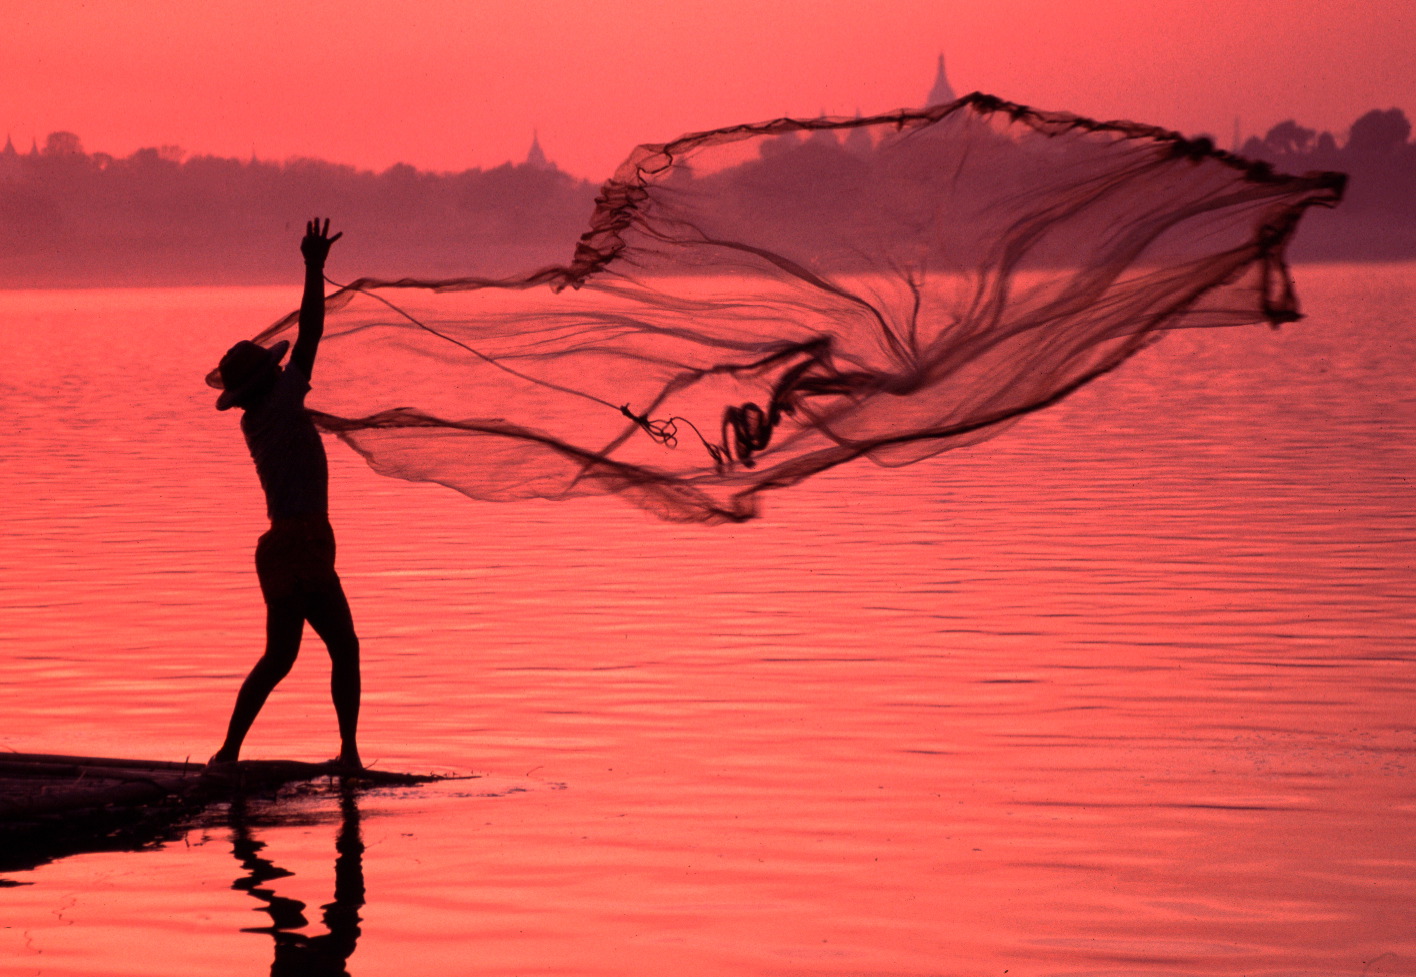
[(314, 229)]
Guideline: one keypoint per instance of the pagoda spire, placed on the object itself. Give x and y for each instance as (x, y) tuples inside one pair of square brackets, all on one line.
[(535, 156), (942, 91), (9, 160)]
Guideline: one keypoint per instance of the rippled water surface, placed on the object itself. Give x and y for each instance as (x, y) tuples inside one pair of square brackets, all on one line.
[(1127, 690)]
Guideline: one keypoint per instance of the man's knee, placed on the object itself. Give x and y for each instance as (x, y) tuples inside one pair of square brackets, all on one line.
[(276, 663), (344, 649)]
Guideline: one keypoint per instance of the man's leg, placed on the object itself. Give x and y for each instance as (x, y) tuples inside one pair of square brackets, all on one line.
[(327, 610), (284, 625)]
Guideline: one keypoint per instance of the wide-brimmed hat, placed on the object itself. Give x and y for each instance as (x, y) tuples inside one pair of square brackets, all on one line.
[(243, 367)]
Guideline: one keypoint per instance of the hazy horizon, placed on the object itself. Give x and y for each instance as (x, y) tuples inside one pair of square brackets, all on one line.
[(449, 87)]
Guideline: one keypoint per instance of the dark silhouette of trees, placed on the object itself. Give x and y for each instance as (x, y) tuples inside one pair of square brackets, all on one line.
[(63, 144), (159, 216), (1377, 219), (1288, 137), (1380, 133)]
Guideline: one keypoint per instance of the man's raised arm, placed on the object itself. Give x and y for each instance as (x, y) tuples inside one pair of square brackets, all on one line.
[(315, 247)]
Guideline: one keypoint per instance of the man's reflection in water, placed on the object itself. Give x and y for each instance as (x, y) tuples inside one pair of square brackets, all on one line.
[(296, 952)]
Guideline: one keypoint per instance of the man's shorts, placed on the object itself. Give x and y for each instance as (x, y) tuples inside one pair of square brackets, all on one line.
[(295, 558)]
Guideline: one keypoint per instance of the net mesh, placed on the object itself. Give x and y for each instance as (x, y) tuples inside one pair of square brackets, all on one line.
[(759, 303)]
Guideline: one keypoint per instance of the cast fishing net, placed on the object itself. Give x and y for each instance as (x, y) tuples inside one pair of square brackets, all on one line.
[(756, 304)]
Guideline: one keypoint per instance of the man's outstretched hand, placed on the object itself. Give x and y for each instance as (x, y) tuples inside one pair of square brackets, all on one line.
[(315, 245)]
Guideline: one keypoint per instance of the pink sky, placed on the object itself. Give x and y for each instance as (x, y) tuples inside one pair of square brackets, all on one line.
[(448, 85)]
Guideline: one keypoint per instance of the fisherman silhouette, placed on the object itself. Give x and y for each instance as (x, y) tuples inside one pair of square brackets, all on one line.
[(295, 557)]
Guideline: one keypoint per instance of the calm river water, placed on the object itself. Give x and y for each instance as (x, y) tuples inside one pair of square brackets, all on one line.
[(1127, 690)]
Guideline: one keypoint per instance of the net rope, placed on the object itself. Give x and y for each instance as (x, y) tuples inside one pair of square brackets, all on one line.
[(759, 303)]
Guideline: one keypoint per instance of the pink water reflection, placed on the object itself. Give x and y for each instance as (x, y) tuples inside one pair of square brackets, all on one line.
[(1127, 690)]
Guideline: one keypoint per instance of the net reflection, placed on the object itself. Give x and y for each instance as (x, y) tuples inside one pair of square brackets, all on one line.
[(299, 952)]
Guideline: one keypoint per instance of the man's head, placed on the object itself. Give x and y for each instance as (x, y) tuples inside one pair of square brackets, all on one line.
[(247, 371)]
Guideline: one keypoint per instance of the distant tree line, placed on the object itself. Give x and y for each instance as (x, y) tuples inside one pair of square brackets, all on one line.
[(1377, 219), (160, 217)]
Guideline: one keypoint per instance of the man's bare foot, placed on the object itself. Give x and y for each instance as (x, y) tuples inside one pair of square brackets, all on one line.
[(220, 770), (349, 760)]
